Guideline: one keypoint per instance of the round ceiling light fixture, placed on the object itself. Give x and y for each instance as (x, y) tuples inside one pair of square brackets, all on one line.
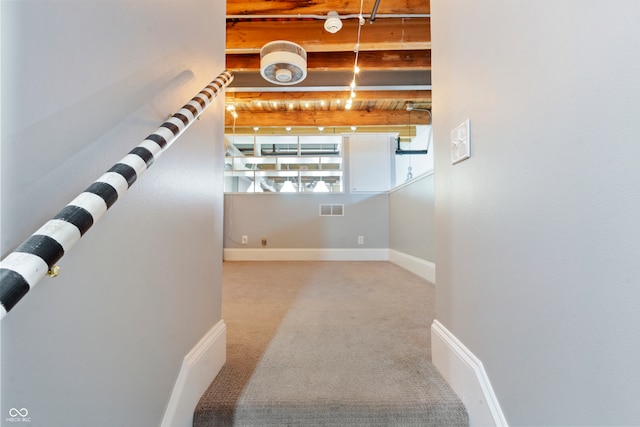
[(283, 62), (333, 24)]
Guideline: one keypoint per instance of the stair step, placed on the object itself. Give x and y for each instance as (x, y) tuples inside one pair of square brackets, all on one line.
[(327, 343)]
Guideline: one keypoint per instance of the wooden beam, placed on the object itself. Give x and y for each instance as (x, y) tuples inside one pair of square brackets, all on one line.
[(329, 118), (364, 95), (403, 131), (342, 61), (344, 7), (384, 34)]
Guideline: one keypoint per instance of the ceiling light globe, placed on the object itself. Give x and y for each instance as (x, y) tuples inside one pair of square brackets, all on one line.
[(333, 24), (283, 75)]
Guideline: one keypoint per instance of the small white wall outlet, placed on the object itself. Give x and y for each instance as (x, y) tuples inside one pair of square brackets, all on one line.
[(361, 240), (245, 239), (460, 143)]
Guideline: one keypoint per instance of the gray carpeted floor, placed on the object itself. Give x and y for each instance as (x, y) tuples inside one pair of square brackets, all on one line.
[(327, 344)]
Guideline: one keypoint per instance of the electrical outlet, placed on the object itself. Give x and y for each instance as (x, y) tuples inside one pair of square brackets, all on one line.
[(264, 242), (245, 240), (361, 240)]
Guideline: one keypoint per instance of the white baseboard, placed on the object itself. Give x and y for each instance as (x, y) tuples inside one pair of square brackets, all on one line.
[(305, 254), (198, 370), (419, 266), (466, 375)]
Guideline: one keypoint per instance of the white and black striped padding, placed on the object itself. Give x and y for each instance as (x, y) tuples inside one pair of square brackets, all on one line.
[(28, 263)]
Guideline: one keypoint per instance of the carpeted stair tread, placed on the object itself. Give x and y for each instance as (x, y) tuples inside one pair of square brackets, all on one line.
[(327, 344)]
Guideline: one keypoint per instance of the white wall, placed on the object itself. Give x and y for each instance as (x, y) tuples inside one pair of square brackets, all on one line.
[(411, 202), (411, 218), (82, 84), (294, 221), (537, 233)]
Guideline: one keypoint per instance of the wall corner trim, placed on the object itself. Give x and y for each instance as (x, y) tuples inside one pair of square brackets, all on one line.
[(199, 367), (466, 375), (419, 266)]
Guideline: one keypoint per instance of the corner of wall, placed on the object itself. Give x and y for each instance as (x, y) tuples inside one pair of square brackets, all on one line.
[(466, 375), (199, 368), (419, 266)]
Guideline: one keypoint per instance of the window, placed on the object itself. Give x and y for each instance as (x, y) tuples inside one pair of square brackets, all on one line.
[(283, 163)]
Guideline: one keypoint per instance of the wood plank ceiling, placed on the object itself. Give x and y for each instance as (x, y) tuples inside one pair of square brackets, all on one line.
[(394, 58)]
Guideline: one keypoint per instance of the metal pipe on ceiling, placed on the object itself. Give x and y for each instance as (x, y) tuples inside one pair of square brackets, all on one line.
[(324, 17), (323, 88), (374, 11)]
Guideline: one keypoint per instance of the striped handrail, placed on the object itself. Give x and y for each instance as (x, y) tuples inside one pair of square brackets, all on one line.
[(22, 269)]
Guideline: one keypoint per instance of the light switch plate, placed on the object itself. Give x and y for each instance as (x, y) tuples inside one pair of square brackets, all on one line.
[(460, 143)]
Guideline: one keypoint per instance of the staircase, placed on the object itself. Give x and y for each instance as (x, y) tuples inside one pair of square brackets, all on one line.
[(327, 343)]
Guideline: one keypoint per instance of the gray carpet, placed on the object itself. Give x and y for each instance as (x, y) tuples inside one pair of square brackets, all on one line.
[(327, 344)]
